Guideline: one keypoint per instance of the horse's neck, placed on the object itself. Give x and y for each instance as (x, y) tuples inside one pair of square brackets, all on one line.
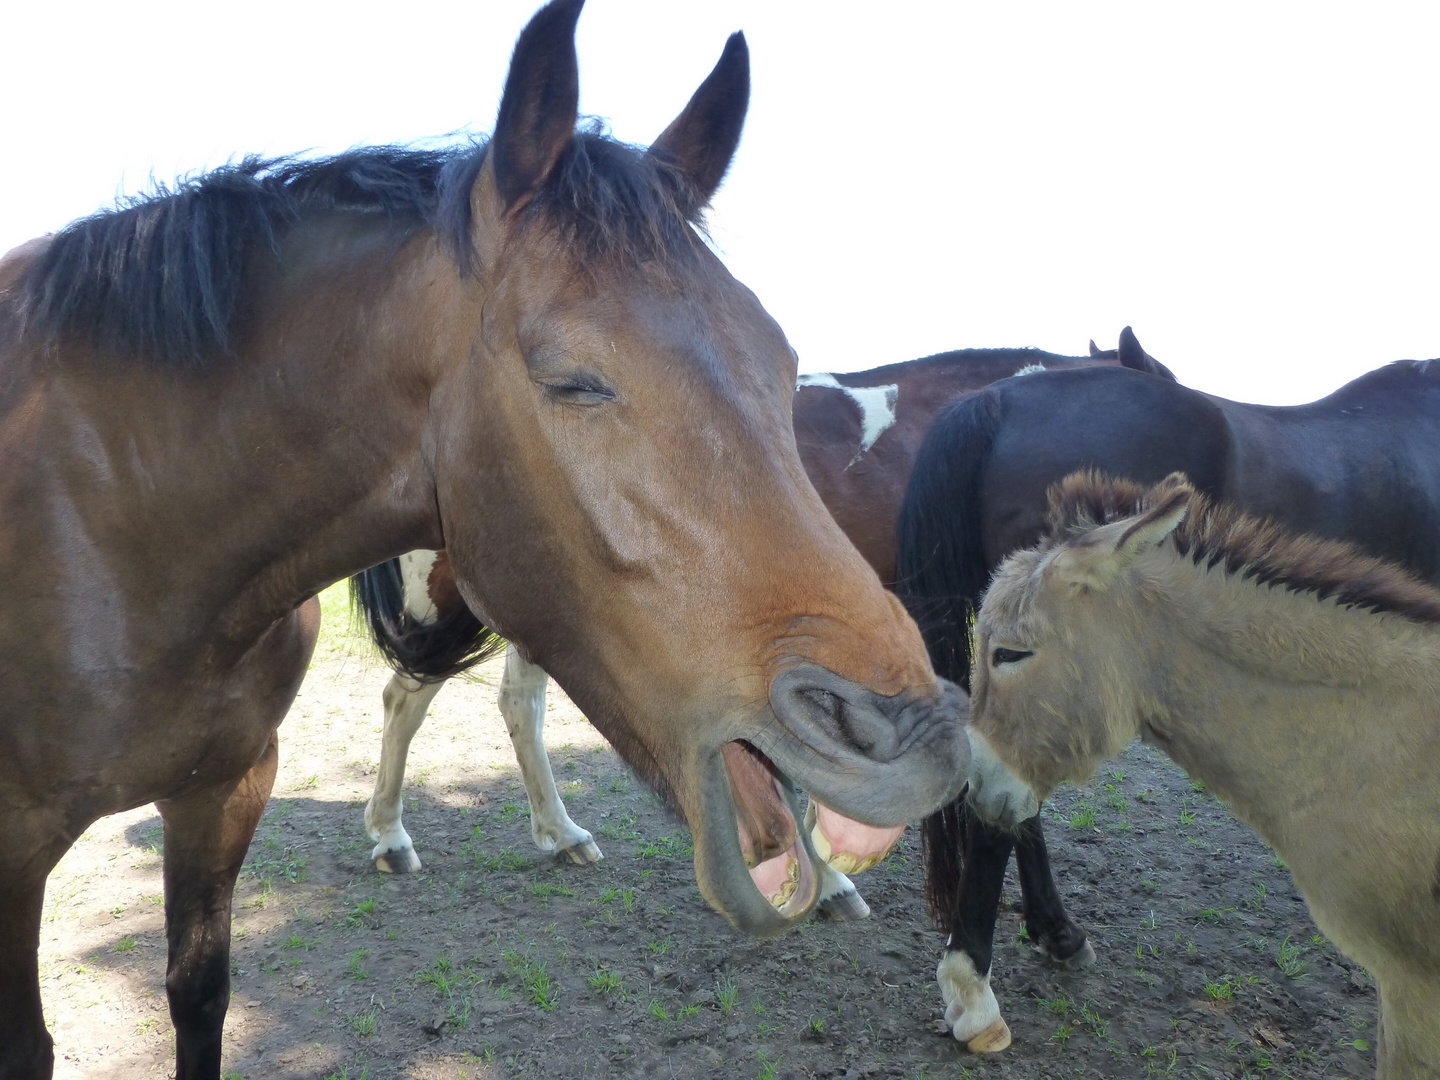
[(1274, 698), (279, 469)]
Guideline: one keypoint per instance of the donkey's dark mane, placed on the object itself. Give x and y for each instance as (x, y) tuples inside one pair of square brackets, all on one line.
[(160, 276), (1257, 549)]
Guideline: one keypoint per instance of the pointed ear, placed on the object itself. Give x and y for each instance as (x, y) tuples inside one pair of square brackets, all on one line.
[(1133, 356), (540, 105), (1096, 559), (701, 141), (1094, 349)]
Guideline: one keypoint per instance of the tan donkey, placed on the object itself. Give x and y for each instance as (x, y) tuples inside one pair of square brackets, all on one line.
[(1298, 678)]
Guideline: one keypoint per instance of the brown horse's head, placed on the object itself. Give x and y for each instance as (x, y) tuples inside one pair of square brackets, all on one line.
[(621, 496)]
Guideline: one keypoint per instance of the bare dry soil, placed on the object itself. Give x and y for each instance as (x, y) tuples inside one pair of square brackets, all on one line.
[(495, 961)]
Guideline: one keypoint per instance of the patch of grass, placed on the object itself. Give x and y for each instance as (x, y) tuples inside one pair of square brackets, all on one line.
[(125, 944), (658, 1011), (674, 846), (356, 970), (362, 911), (364, 1022), (1212, 915), (606, 982), (726, 994), (440, 974), (546, 889), (295, 941), (1057, 1005), (1082, 816), (659, 947), (687, 1012), (534, 978), (1257, 902), (1063, 1033), (1288, 959), (1221, 990), (507, 859)]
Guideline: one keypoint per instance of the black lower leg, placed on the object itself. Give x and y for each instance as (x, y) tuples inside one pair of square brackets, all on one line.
[(1046, 920), (972, 921), (26, 1049)]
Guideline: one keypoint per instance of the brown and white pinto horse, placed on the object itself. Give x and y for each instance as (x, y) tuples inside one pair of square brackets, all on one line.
[(857, 434), (220, 399)]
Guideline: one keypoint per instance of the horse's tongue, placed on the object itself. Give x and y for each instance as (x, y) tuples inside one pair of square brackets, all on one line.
[(845, 844)]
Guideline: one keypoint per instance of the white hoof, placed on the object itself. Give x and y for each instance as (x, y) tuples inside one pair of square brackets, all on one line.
[(584, 853), (567, 840), (396, 861), (839, 900), (971, 1010)]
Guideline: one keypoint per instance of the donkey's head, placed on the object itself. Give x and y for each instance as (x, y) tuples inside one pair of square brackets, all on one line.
[(1056, 688)]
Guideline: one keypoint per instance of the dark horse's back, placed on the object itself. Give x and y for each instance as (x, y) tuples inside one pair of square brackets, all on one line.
[(1358, 466)]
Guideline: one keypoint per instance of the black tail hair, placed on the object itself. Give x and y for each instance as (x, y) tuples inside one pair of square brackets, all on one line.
[(428, 651), (941, 574)]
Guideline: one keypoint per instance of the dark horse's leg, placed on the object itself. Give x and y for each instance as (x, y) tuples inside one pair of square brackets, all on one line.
[(206, 837), (1045, 918), (26, 1049), (968, 913)]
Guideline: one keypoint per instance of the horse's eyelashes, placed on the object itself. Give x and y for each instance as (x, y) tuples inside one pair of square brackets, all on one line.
[(578, 390), (1008, 656)]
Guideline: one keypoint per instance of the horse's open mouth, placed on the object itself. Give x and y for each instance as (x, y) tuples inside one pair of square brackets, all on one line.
[(776, 850)]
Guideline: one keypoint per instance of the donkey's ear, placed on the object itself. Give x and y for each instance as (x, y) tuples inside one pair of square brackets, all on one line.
[(1096, 559), (540, 105), (701, 141), (1133, 356), (1094, 349)]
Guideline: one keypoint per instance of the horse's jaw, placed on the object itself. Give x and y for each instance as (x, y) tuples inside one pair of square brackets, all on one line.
[(756, 854)]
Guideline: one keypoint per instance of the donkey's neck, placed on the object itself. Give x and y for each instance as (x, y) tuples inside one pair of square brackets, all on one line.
[(1285, 705)]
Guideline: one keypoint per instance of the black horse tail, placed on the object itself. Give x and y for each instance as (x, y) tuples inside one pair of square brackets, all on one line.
[(428, 651), (941, 574)]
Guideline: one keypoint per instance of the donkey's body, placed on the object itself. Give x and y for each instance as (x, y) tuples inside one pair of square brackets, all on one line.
[(1357, 465), (1297, 677), (217, 401)]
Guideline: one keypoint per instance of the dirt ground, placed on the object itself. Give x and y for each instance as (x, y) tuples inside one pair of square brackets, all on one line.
[(494, 961)]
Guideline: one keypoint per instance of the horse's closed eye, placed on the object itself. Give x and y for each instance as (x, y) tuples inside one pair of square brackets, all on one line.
[(1008, 656)]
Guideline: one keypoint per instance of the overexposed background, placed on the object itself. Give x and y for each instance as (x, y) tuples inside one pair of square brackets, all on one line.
[(1253, 187)]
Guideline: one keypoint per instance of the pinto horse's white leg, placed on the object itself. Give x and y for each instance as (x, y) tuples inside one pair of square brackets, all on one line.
[(970, 1006), (839, 900), (406, 701), (522, 703)]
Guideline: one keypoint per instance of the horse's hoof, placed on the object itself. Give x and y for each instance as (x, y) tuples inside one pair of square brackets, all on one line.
[(399, 861), (1082, 958), (584, 853), (843, 907), (992, 1040)]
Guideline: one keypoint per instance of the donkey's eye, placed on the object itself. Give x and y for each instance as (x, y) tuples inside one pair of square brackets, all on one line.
[(1008, 656)]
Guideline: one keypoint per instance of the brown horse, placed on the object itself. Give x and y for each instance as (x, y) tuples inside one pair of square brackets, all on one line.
[(216, 401), (857, 434)]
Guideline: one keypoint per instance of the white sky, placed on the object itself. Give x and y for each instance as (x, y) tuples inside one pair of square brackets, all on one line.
[(1253, 186)]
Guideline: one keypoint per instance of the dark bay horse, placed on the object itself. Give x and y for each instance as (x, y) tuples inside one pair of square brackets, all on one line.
[(218, 400), (857, 434), (1357, 466)]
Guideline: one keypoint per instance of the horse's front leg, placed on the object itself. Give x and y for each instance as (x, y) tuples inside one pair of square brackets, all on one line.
[(406, 702), (33, 847), (969, 912), (1046, 920), (522, 703), (206, 836)]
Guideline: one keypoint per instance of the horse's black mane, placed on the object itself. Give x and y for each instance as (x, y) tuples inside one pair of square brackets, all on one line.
[(160, 276)]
